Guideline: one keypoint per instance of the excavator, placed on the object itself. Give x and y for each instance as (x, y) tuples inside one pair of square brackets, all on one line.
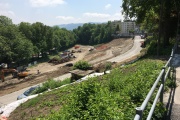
[(14, 72)]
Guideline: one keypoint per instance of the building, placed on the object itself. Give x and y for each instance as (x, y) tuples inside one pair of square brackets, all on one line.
[(127, 26), (116, 23), (124, 27)]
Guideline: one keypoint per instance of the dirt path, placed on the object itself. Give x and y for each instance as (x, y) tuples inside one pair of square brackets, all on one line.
[(109, 50), (47, 70)]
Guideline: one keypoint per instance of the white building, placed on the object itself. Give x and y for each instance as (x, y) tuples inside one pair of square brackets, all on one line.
[(126, 26), (115, 23)]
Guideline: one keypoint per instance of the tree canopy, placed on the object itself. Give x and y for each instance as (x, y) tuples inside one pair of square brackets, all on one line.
[(155, 16), (25, 40), (94, 33)]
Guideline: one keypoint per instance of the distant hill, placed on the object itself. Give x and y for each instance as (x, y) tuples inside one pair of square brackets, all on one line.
[(72, 26)]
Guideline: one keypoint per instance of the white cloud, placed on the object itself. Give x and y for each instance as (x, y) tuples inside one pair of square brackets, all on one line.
[(108, 6), (96, 15), (89, 17), (5, 10), (67, 20), (43, 3), (65, 17), (117, 16)]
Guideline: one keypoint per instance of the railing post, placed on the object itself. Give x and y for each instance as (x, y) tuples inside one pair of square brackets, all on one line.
[(162, 82), (170, 65), (139, 112)]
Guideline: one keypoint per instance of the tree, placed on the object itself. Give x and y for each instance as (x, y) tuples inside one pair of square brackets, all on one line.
[(5, 50), (5, 21), (26, 29), (82, 65), (117, 29), (154, 12), (94, 33), (14, 45)]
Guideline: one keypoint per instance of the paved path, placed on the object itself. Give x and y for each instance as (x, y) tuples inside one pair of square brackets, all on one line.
[(9, 98), (135, 50), (172, 98)]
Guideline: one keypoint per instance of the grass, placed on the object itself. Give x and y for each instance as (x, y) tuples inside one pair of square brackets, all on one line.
[(112, 96), (51, 84)]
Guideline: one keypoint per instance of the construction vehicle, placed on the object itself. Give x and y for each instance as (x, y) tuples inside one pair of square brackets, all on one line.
[(14, 72), (76, 46)]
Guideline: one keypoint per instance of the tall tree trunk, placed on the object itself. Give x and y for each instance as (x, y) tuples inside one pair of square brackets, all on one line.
[(167, 12)]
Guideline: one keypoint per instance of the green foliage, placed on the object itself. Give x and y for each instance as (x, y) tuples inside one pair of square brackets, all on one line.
[(151, 45), (51, 84), (113, 96), (82, 65), (171, 84), (108, 66), (158, 17), (14, 45), (20, 42), (5, 21), (94, 33)]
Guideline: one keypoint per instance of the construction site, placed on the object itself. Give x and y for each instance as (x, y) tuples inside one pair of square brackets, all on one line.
[(25, 76)]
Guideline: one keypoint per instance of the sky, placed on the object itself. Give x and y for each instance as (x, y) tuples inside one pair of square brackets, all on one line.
[(56, 12)]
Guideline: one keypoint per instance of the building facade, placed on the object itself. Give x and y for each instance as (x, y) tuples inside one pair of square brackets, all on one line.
[(127, 26), (124, 27)]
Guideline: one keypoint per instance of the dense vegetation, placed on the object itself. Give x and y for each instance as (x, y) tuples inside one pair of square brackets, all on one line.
[(159, 17), (112, 96), (82, 65), (51, 84), (25, 41), (94, 34)]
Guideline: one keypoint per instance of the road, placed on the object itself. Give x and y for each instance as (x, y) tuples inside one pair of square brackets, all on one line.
[(6, 99), (135, 50)]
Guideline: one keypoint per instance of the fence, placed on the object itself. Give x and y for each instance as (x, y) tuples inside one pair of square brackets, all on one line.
[(165, 72)]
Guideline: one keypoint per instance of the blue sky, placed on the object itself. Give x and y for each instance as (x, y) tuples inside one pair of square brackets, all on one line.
[(55, 12)]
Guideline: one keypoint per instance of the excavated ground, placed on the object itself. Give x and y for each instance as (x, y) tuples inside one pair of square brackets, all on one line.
[(47, 70)]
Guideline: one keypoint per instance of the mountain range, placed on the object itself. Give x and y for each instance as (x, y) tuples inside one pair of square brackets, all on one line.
[(72, 26)]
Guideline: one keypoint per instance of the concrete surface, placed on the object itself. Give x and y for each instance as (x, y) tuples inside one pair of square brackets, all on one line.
[(172, 98), (135, 50), (9, 98)]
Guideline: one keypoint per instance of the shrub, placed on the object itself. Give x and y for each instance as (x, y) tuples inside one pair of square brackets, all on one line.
[(82, 65), (51, 84)]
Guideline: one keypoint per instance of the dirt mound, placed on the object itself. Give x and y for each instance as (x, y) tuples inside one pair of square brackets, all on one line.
[(109, 50), (102, 47), (56, 61)]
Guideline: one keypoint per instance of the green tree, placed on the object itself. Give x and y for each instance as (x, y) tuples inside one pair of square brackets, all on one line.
[(5, 50), (26, 29), (117, 29), (153, 13), (94, 33), (82, 65), (5, 21), (14, 45)]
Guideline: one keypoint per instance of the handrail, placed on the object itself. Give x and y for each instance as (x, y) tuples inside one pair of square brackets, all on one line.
[(154, 103), (163, 76)]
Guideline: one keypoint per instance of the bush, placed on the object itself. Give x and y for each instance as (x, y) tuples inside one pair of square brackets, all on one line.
[(82, 65), (51, 84)]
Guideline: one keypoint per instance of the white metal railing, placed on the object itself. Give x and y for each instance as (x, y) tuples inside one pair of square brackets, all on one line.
[(165, 72)]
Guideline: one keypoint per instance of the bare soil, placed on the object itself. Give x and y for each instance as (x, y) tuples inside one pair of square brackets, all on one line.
[(48, 70)]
